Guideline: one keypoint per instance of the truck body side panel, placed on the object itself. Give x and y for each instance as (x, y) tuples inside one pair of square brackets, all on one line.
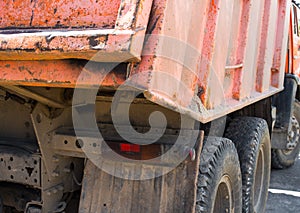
[(58, 73), (221, 57), (58, 14), (223, 73), (45, 30)]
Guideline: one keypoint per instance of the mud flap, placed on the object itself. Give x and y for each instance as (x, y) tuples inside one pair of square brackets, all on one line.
[(172, 192)]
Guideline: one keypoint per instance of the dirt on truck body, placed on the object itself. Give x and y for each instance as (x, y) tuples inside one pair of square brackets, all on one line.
[(136, 106)]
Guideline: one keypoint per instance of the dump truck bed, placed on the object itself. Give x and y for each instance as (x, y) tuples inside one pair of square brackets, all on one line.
[(217, 59)]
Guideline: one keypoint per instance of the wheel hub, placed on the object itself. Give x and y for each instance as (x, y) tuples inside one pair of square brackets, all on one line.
[(293, 134), (224, 199), (259, 179)]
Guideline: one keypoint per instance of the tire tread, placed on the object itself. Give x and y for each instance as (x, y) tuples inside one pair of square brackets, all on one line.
[(212, 152), (246, 133)]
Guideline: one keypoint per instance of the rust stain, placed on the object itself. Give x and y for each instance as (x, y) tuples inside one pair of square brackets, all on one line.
[(82, 47), (59, 14), (114, 25), (58, 73)]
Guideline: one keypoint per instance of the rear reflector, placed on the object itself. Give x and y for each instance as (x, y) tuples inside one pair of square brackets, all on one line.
[(125, 147)]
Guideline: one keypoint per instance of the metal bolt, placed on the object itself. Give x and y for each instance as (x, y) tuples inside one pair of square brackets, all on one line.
[(55, 174), (55, 159), (192, 154), (60, 188), (67, 169)]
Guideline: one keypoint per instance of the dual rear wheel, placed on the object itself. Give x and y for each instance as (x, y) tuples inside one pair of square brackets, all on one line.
[(235, 170)]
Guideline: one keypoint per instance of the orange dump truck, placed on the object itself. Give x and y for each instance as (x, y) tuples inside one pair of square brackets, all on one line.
[(119, 106)]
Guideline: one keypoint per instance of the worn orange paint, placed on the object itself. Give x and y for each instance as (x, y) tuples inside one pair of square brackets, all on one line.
[(280, 48), (36, 40), (58, 73), (206, 68), (195, 91), (295, 42), (58, 14), (249, 82), (262, 73), (60, 47), (242, 40)]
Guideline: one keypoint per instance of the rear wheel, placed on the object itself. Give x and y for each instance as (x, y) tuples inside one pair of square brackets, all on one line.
[(252, 140), (285, 158), (219, 181)]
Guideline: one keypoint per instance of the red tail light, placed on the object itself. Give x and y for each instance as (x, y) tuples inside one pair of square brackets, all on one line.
[(125, 147)]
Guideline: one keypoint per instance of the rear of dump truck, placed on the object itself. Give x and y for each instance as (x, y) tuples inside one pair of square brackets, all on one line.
[(146, 105)]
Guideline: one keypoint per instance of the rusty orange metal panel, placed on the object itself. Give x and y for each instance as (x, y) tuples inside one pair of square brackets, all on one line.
[(294, 57), (58, 73), (73, 29), (227, 68), (251, 54), (283, 24), (221, 57), (267, 44), (168, 37), (58, 14)]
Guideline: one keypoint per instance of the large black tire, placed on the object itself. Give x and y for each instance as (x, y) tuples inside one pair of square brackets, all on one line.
[(252, 140), (219, 180), (284, 158)]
